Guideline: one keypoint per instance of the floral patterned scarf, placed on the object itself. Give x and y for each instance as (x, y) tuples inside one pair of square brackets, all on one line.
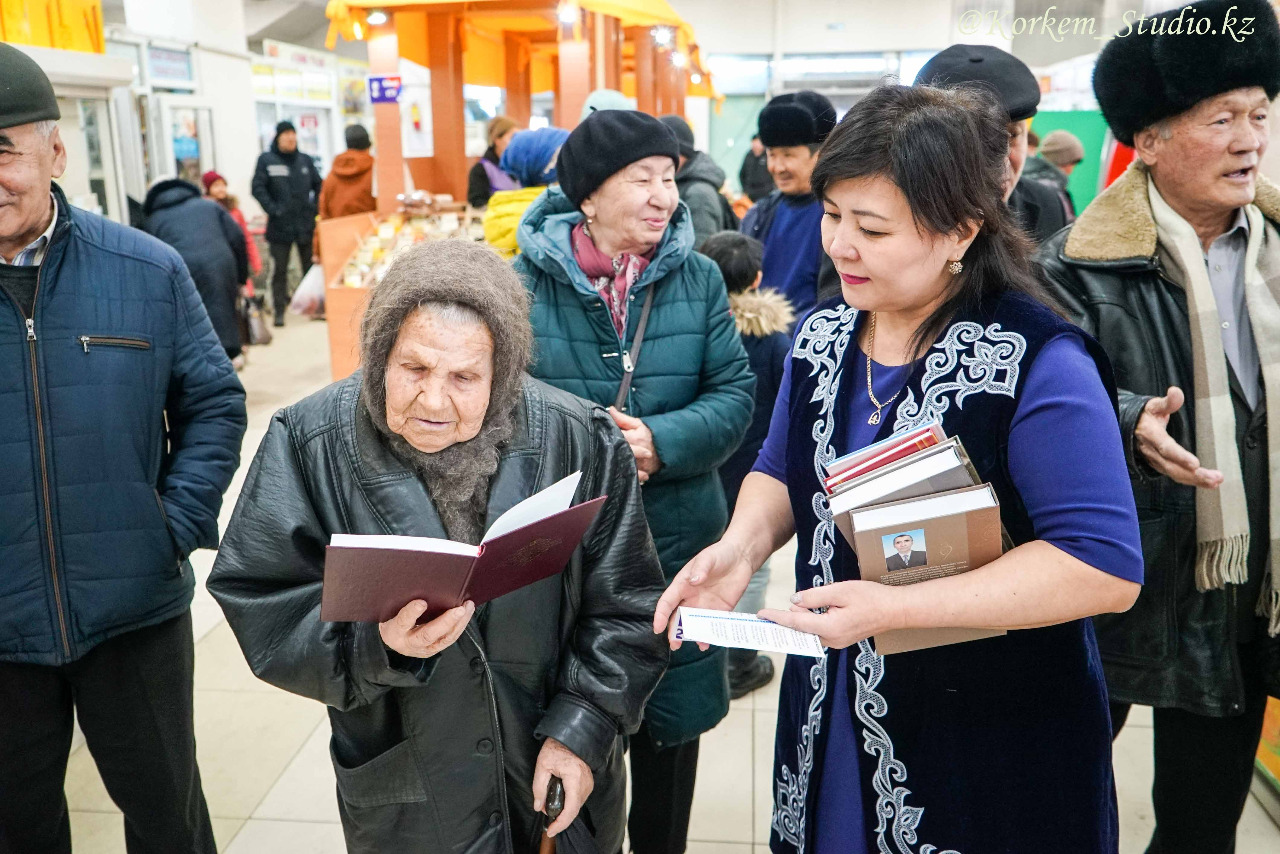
[(611, 277)]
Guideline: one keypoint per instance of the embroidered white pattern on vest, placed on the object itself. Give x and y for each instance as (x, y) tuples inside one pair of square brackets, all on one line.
[(992, 367), (822, 342)]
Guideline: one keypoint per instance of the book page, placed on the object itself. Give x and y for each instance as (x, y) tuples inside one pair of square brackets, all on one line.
[(556, 498), (410, 544), (744, 631)]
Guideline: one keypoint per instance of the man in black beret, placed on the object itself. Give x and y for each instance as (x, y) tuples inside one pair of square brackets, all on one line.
[(1038, 208), (119, 432), (287, 186), (1173, 268), (789, 220)]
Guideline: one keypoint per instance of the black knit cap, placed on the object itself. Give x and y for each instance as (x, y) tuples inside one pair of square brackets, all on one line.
[(1004, 74), (796, 118), (605, 142), (26, 95), (1141, 78), (285, 127), (684, 134)]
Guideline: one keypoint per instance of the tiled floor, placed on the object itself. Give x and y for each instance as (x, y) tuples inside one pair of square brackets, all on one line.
[(264, 753)]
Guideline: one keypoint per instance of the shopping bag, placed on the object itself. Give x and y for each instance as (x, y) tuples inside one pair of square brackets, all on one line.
[(308, 299), (251, 312)]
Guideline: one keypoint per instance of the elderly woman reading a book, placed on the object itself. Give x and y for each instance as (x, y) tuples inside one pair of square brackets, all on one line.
[(994, 746), (447, 733)]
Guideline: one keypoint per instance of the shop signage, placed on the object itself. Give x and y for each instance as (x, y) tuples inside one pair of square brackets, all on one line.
[(384, 89)]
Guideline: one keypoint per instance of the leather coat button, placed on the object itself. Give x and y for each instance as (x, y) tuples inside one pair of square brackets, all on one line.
[(477, 666), (1251, 443), (495, 819), (484, 746)]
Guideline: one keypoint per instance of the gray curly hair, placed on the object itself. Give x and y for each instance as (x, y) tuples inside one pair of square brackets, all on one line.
[(462, 281)]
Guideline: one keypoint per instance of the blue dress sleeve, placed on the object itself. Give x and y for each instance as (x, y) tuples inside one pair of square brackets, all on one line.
[(772, 459), (1067, 462)]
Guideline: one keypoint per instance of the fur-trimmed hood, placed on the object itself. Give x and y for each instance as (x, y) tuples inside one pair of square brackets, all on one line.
[(760, 312), (1119, 225)]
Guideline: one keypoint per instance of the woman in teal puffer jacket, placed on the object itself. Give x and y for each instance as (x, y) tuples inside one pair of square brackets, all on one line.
[(593, 251)]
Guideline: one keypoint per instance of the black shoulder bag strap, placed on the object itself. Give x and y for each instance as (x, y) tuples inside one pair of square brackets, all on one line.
[(630, 357)]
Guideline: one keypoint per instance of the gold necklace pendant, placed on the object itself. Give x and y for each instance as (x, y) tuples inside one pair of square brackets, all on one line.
[(871, 395)]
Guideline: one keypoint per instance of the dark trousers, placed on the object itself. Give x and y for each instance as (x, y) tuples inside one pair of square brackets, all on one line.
[(661, 794), (133, 697), (280, 271), (1203, 768)]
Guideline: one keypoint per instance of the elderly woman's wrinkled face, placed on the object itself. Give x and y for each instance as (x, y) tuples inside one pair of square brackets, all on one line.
[(438, 379), (630, 210)]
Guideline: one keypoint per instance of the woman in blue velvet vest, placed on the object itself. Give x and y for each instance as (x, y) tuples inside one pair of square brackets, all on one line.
[(996, 746)]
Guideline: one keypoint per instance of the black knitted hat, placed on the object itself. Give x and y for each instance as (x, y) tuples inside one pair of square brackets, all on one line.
[(684, 134), (605, 142), (285, 127), (796, 118), (1006, 76), (26, 95), (1142, 78)]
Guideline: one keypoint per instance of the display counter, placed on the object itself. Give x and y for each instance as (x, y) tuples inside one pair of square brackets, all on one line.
[(355, 251)]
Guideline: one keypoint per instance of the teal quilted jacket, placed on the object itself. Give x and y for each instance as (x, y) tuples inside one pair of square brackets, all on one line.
[(693, 388)]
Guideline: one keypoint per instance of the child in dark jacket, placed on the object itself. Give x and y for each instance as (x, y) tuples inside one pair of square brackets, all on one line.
[(764, 319)]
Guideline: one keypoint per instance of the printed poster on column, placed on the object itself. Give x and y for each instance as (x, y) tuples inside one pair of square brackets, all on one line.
[(415, 110)]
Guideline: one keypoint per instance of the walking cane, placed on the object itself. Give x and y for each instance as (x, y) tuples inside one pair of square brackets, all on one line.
[(554, 806)]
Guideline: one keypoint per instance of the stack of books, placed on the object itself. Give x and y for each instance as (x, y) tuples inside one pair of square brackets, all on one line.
[(913, 508)]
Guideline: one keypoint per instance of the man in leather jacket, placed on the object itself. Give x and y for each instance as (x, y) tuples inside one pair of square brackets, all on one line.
[(1197, 652)]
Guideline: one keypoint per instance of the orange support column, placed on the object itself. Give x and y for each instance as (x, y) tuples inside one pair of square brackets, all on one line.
[(575, 82), (612, 56), (448, 130), (646, 85), (384, 58), (519, 96)]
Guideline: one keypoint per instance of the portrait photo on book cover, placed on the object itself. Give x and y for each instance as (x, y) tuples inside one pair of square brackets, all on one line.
[(904, 549)]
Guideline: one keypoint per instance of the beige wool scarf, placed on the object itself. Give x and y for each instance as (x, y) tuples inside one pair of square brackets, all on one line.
[(1222, 519)]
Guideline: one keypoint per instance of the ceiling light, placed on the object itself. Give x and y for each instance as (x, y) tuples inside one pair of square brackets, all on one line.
[(695, 78), (355, 26), (376, 18), (679, 60), (567, 13), (662, 36)]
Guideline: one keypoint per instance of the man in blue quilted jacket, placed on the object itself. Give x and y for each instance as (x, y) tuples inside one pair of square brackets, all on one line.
[(120, 427)]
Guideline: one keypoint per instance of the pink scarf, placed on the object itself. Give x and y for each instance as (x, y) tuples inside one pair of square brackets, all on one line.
[(611, 277)]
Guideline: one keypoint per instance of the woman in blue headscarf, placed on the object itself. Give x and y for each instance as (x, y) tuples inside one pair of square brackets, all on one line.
[(530, 158)]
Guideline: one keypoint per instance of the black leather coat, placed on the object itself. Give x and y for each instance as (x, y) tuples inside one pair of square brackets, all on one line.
[(438, 754), (1176, 647)]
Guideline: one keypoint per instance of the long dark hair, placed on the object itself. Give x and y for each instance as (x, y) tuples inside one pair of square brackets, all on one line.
[(946, 150)]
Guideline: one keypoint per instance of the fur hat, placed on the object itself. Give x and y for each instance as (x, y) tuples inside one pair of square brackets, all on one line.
[(1004, 74), (1170, 62), (799, 118)]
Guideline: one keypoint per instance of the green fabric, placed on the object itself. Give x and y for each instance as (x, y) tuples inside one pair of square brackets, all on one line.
[(692, 387)]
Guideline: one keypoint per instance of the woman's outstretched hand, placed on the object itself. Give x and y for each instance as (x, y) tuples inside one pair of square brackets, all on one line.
[(716, 578), (856, 610)]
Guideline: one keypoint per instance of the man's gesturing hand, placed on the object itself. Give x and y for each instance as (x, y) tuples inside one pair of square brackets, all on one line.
[(1162, 452)]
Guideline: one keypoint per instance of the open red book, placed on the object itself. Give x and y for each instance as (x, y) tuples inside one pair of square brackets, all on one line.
[(370, 578)]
